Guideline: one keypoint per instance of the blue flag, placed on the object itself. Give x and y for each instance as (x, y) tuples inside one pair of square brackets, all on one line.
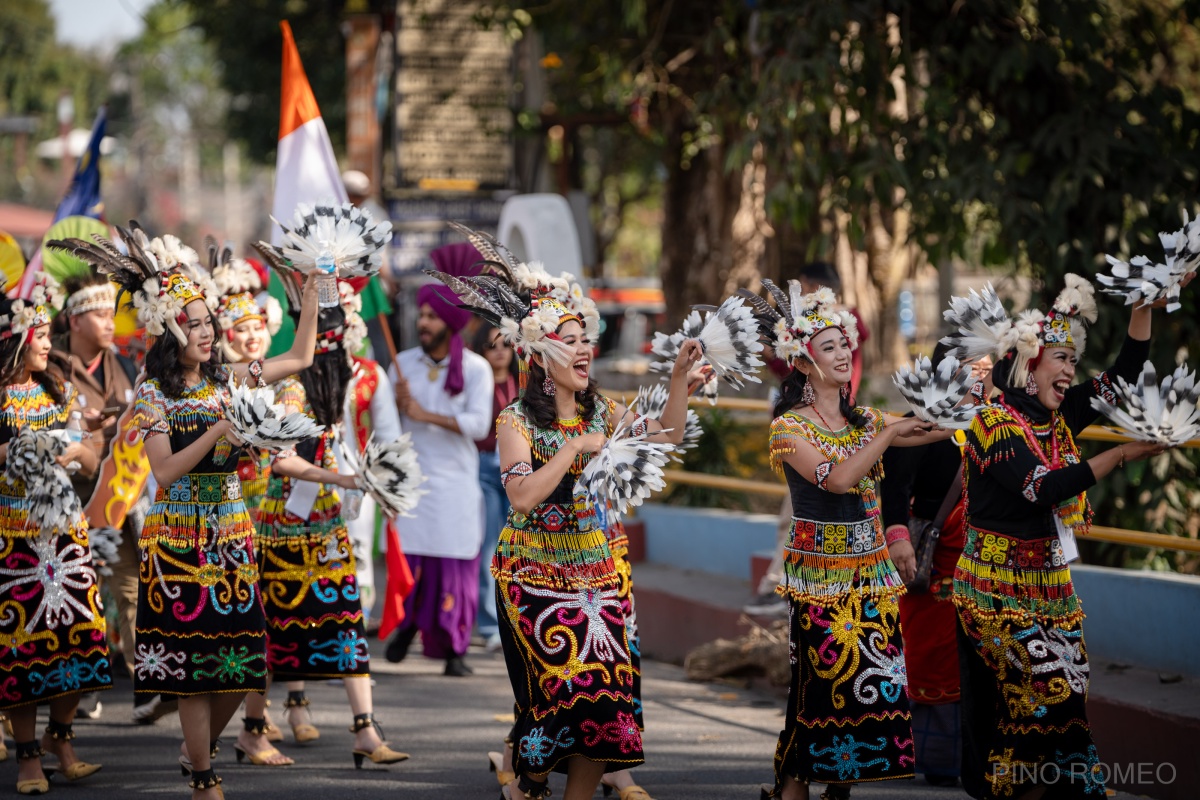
[(83, 196)]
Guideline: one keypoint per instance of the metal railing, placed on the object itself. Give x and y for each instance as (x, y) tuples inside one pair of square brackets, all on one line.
[(1094, 433)]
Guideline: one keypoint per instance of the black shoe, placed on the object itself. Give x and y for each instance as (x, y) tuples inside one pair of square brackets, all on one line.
[(456, 667), (397, 648)]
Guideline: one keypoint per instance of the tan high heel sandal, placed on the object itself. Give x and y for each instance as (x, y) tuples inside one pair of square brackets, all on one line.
[(496, 765), (25, 752), (58, 732), (304, 732), (381, 754)]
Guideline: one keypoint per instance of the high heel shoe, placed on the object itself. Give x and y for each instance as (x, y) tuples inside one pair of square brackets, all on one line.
[(273, 734), (25, 752), (381, 754), (634, 792), (61, 732), (270, 757), (496, 765), (304, 732)]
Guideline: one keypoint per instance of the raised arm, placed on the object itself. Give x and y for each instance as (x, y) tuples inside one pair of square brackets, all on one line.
[(841, 477), (300, 355), (1076, 407), (525, 486)]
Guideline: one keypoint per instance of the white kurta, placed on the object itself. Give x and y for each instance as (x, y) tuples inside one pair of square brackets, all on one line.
[(385, 426), (448, 521)]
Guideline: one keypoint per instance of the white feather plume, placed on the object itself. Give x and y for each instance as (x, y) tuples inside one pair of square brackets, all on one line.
[(935, 395), (389, 473), (981, 323), (48, 490), (351, 235), (1150, 412), (261, 422), (1143, 281), (729, 337), (627, 470)]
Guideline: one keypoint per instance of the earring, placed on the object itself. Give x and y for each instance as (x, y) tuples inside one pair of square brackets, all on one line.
[(808, 395), (1031, 387), (548, 387), (845, 391)]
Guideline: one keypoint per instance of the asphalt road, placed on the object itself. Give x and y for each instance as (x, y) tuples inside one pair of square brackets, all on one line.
[(710, 741)]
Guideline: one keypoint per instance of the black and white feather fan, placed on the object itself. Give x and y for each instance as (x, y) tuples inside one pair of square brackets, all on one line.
[(105, 544), (388, 472), (627, 470), (981, 325), (53, 502), (936, 395), (349, 233), (1141, 280), (1151, 412), (261, 422), (728, 335), (651, 401)]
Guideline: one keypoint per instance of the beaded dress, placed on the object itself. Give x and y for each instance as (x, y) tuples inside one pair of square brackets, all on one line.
[(309, 580), (200, 624), (562, 626), (52, 627), (848, 717)]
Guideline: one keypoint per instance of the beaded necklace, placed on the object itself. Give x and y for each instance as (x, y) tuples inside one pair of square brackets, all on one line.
[(821, 416), (1074, 513), (1053, 462)]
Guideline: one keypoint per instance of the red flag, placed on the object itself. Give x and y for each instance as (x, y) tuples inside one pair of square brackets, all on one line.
[(399, 583)]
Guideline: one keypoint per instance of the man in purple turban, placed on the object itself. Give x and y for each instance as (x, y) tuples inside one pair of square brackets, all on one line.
[(444, 394)]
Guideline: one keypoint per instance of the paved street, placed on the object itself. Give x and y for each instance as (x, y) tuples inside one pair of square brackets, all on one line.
[(703, 741)]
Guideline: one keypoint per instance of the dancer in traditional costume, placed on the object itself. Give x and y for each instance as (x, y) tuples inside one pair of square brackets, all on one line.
[(52, 625), (1024, 667), (309, 581), (847, 719), (920, 480), (201, 633), (562, 626)]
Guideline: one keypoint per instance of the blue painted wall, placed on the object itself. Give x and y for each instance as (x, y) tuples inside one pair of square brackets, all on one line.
[(1144, 618), (706, 539)]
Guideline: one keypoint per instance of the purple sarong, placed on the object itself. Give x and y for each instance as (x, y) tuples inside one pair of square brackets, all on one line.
[(442, 603)]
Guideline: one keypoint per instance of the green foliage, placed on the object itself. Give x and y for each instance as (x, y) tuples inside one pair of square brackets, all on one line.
[(249, 44)]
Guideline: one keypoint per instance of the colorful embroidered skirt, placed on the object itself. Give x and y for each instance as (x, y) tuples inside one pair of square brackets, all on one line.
[(618, 542), (1024, 670), (572, 676), (200, 624), (848, 718), (52, 629)]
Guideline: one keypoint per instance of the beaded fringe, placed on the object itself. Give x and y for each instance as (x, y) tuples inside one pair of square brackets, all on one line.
[(555, 560), (1040, 591)]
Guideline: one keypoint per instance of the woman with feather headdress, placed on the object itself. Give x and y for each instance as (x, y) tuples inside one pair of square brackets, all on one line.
[(201, 634), (309, 572), (1023, 665), (573, 681), (847, 717), (51, 623)]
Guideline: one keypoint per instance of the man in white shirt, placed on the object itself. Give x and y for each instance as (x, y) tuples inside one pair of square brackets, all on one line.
[(444, 394)]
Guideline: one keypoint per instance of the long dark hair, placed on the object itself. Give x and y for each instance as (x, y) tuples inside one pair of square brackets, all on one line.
[(483, 338), (792, 389), (163, 365), (12, 362), (540, 406), (326, 380)]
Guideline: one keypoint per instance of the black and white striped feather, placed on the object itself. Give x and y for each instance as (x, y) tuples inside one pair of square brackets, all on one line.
[(389, 472), (1142, 281), (105, 544), (728, 335), (261, 422), (981, 324), (349, 233), (651, 401), (1151, 412), (627, 470), (53, 501), (936, 395)]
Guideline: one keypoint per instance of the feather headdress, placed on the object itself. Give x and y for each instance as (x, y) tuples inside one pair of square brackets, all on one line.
[(522, 300), (1143, 281), (352, 237), (983, 327), (159, 290), (796, 318)]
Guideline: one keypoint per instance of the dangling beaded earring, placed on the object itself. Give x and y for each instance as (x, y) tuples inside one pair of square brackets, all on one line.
[(1031, 387), (548, 387), (845, 391), (808, 395)]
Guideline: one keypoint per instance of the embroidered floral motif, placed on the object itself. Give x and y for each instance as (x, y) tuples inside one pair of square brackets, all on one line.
[(848, 756), (230, 664), (68, 675), (536, 746), (346, 651), (623, 731), (154, 661)]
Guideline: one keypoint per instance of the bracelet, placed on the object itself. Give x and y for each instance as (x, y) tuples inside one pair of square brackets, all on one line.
[(1121, 448), (896, 533)]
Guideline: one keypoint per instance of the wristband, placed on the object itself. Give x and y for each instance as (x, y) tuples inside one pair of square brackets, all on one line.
[(896, 533), (1121, 447)]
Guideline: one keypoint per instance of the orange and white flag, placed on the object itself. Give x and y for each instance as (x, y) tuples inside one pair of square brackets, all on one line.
[(305, 168)]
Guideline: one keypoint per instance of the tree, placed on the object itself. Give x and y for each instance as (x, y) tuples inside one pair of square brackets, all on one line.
[(245, 34)]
